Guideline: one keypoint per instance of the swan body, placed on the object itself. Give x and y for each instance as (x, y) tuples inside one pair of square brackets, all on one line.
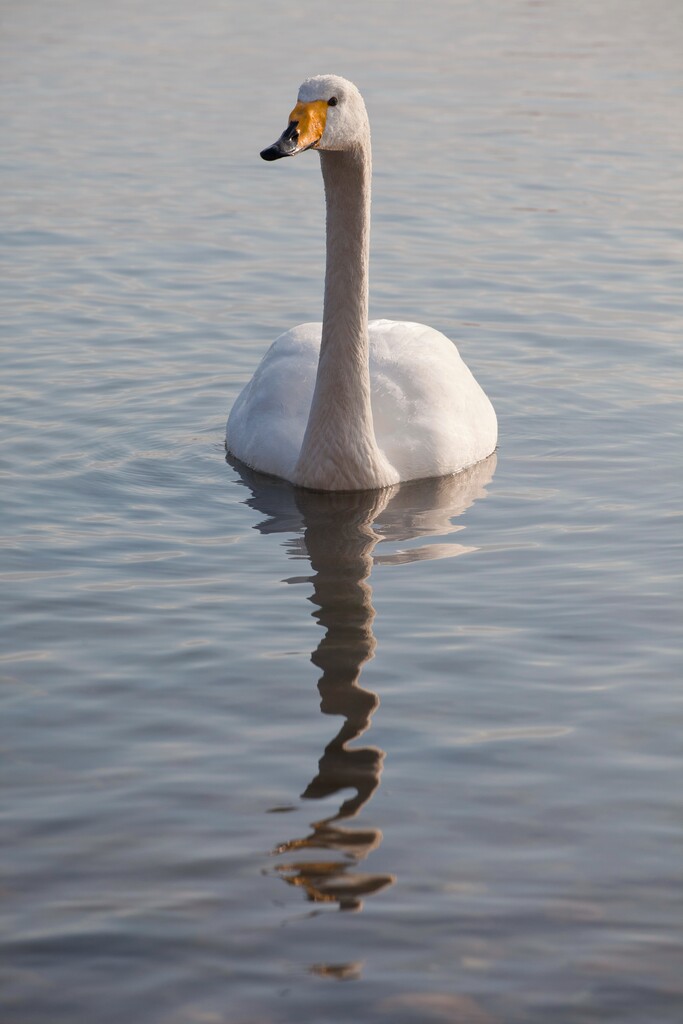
[(350, 404), (430, 415)]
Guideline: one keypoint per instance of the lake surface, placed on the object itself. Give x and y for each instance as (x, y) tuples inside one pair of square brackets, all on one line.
[(275, 757)]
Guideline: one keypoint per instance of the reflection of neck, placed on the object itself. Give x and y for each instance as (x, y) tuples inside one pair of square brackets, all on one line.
[(340, 541), (341, 654), (344, 597), (341, 555), (339, 449)]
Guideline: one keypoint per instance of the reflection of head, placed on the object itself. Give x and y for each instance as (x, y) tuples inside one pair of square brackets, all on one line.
[(334, 882)]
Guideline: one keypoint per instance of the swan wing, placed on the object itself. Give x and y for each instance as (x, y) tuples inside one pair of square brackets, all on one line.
[(267, 422), (431, 417)]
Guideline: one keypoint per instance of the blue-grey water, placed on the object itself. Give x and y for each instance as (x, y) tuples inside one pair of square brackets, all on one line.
[(273, 757)]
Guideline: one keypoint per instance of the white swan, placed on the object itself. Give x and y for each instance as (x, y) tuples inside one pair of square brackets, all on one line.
[(350, 405)]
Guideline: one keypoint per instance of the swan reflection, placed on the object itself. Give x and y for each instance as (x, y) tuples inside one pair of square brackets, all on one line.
[(338, 534)]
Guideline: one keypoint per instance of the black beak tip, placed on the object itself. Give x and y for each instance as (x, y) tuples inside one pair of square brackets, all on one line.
[(271, 153)]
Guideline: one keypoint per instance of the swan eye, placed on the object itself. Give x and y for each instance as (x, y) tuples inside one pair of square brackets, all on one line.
[(333, 101)]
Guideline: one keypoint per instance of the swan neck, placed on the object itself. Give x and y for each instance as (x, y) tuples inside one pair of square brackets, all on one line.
[(339, 449), (346, 176)]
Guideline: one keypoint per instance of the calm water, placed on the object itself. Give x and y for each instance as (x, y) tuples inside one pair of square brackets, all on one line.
[(277, 757)]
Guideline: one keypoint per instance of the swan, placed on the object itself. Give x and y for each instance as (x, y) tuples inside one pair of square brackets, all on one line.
[(349, 404)]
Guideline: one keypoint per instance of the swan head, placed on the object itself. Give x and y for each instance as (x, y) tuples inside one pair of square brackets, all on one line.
[(329, 115)]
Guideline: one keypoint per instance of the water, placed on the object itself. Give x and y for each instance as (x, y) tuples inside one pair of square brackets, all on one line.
[(270, 757)]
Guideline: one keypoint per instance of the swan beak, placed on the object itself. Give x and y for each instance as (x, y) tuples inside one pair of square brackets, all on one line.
[(304, 131)]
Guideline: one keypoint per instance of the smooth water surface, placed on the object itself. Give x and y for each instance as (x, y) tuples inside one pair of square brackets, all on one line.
[(278, 757)]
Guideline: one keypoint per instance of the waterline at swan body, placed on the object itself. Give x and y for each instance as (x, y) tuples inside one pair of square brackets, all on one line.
[(347, 404)]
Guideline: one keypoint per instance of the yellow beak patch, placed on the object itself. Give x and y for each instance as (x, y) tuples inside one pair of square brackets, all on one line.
[(311, 119)]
